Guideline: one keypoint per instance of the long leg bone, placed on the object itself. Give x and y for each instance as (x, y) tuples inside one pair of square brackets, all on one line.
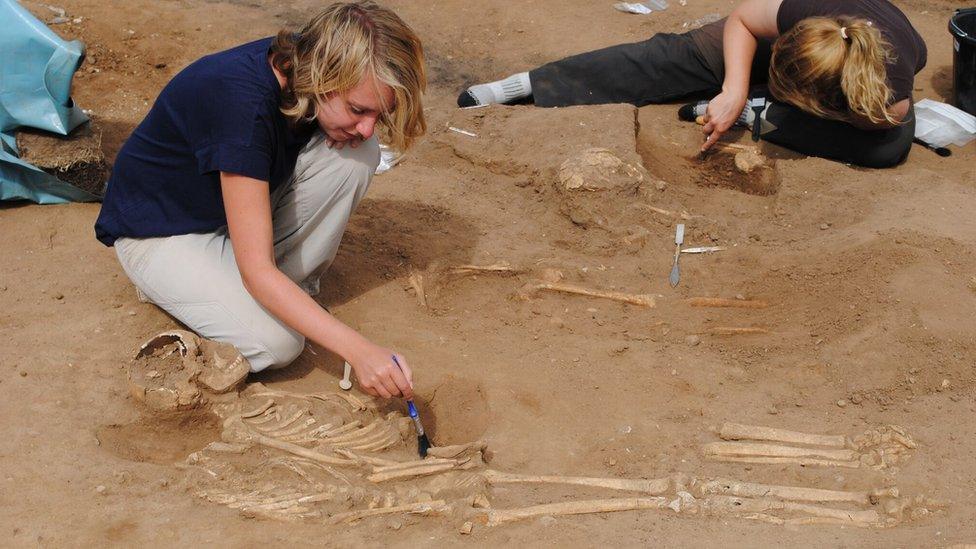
[(738, 431), (742, 449), (792, 493), (739, 506), (650, 486), (644, 300), (502, 516), (802, 461)]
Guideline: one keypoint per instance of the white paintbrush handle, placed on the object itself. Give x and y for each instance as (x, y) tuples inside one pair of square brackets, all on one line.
[(346, 382)]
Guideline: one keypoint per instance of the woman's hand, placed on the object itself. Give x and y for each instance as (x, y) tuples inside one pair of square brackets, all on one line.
[(723, 111), (378, 374)]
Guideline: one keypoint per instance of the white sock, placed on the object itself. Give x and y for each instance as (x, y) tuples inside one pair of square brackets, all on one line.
[(513, 88)]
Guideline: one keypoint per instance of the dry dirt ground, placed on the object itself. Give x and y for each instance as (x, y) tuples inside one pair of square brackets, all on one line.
[(870, 277)]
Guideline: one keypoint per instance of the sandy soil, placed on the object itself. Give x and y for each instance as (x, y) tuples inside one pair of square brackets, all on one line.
[(870, 277)]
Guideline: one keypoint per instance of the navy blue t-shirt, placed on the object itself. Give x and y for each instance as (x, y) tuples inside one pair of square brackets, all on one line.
[(221, 113)]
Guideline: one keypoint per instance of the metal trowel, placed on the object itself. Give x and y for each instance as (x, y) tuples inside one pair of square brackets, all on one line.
[(679, 238)]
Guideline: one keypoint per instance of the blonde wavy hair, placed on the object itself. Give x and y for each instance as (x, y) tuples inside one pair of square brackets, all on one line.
[(341, 47), (833, 67)]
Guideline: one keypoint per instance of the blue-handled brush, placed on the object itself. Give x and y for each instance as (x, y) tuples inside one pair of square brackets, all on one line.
[(423, 444)]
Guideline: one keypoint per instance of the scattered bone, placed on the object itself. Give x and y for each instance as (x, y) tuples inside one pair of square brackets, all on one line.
[(650, 486), (723, 302), (732, 330), (427, 508), (495, 516), (644, 300), (738, 431), (417, 282), (683, 215), (497, 268)]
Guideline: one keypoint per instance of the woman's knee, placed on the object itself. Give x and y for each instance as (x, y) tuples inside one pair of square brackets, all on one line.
[(273, 350)]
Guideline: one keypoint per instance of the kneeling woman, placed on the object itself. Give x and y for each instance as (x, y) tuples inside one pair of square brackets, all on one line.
[(839, 73), (231, 197)]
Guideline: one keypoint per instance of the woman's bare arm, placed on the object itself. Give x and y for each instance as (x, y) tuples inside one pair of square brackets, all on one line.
[(247, 204), (750, 21)]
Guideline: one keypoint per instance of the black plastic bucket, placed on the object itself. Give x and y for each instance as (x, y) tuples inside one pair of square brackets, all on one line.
[(963, 29)]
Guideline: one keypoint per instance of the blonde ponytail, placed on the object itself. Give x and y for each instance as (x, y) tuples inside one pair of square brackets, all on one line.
[(833, 68)]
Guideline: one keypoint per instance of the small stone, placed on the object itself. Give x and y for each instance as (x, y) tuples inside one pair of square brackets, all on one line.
[(557, 322), (23, 373), (660, 185), (842, 403), (59, 296), (692, 340), (772, 410), (856, 398), (611, 462), (163, 482), (824, 226), (160, 65), (132, 313), (466, 528), (396, 525), (626, 429), (547, 521), (100, 489)]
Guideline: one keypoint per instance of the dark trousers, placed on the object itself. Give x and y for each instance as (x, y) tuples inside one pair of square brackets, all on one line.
[(670, 67)]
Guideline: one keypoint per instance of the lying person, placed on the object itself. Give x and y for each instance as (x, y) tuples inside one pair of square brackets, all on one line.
[(839, 74), (232, 195)]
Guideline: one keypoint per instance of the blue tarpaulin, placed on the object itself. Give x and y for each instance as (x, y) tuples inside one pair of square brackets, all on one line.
[(35, 86)]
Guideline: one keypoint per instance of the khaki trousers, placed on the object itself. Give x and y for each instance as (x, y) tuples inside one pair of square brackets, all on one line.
[(194, 277)]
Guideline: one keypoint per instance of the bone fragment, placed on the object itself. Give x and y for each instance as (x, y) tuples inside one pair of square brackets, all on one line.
[(722, 302), (412, 472), (776, 450), (643, 300), (416, 279), (457, 450), (436, 507), (739, 431), (802, 461), (647, 486), (791, 493), (502, 516), (731, 330), (497, 268)]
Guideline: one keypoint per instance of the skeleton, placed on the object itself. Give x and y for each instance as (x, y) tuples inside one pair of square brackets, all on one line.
[(338, 458)]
